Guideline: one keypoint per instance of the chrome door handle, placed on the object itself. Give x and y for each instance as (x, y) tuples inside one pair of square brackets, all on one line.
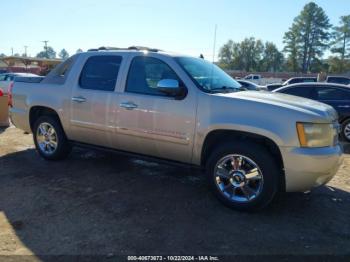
[(79, 99), (344, 106), (128, 105)]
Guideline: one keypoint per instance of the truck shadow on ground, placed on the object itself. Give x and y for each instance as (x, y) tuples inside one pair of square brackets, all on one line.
[(2, 129), (97, 203)]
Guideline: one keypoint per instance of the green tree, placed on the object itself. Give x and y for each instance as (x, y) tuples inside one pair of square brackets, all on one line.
[(245, 55), (336, 65), (309, 34), (341, 43), (230, 56), (226, 55), (251, 51), (2, 55), (272, 58), (291, 48), (63, 54), (48, 53)]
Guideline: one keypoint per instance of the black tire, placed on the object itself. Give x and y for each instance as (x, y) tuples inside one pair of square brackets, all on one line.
[(63, 146), (343, 127), (271, 173)]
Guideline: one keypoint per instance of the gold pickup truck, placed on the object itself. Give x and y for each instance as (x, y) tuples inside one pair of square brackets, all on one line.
[(186, 110)]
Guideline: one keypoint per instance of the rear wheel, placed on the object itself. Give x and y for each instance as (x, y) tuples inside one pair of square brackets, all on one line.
[(345, 130), (243, 175), (50, 139)]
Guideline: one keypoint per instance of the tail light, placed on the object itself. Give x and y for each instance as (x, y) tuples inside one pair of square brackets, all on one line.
[(9, 94), (1, 92)]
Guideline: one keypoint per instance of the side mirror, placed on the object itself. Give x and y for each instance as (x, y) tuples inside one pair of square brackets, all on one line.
[(170, 87)]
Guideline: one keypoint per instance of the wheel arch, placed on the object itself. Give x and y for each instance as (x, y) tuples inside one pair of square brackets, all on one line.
[(216, 137), (37, 111)]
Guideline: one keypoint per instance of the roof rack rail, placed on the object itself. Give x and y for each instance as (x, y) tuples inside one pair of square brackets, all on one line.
[(143, 48), (137, 48), (106, 48)]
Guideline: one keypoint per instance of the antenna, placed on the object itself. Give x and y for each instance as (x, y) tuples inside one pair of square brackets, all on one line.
[(212, 66), (214, 46)]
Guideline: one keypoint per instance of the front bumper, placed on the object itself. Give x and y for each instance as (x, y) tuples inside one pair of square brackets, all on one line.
[(306, 168)]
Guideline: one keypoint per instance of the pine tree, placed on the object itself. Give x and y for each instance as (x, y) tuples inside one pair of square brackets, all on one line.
[(308, 36), (341, 43)]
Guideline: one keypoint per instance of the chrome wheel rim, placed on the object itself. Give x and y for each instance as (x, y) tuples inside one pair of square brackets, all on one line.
[(238, 178), (46, 137), (347, 131)]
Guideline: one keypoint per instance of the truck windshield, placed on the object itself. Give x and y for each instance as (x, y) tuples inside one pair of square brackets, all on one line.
[(209, 77)]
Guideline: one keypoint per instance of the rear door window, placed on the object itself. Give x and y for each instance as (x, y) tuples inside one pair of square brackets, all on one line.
[(100, 73), (338, 80), (302, 91), (331, 93)]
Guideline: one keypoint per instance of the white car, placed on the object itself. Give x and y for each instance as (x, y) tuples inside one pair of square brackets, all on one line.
[(7, 78)]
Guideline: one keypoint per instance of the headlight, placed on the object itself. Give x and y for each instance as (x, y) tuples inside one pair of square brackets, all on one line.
[(317, 135)]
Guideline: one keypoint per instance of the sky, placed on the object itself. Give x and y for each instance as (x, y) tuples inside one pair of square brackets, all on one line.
[(182, 26)]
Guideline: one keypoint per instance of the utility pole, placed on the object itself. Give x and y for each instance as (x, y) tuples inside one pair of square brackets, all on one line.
[(45, 47), (25, 50), (11, 51), (214, 46)]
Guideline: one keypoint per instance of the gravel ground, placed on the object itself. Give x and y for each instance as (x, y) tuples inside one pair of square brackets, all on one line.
[(97, 203)]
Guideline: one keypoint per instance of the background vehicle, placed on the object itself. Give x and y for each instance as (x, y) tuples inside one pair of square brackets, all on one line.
[(337, 96), (251, 86), (184, 110), (252, 77), (7, 78), (338, 80), (290, 81), (274, 86)]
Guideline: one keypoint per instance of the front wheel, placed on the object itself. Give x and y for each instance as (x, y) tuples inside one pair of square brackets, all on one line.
[(50, 139), (243, 175)]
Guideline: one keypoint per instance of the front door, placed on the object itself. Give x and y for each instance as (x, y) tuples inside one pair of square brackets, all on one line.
[(150, 122)]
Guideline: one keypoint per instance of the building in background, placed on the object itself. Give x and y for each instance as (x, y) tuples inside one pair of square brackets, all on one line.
[(39, 66)]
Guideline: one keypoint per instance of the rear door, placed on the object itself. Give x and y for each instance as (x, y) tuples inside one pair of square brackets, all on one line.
[(337, 97), (92, 100)]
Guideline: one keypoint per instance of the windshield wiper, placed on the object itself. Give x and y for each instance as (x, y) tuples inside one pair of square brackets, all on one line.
[(226, 89)]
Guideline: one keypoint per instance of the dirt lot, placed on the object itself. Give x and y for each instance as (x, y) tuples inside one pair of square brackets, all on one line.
[(104, 204)]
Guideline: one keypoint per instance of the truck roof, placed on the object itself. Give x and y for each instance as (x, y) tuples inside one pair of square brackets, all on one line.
[(141, 49)]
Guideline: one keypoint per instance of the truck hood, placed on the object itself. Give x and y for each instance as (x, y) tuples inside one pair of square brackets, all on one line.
[(300, 104)]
